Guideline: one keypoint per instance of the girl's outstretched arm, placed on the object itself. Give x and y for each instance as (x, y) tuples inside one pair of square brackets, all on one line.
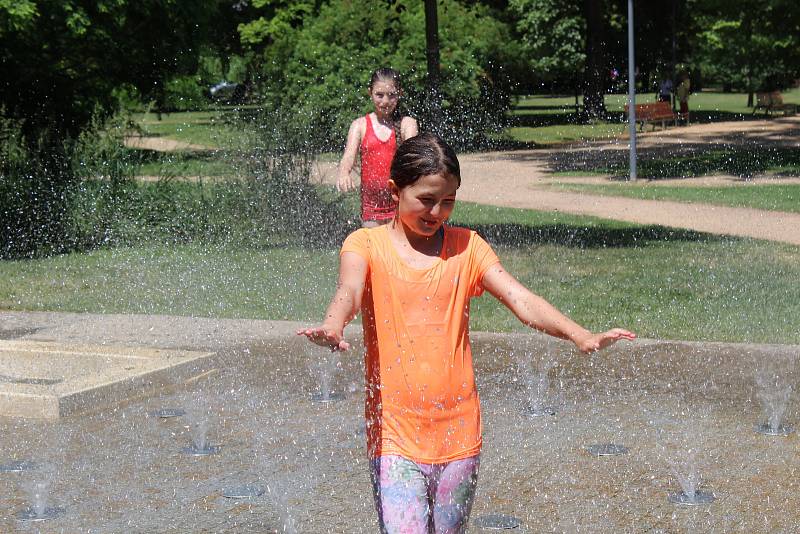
[(536, 312), (344, 181), (344, 306)]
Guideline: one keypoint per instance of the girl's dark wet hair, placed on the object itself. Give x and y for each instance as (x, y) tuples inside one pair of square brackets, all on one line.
[(389, 75), (386, 74), (423, 155)]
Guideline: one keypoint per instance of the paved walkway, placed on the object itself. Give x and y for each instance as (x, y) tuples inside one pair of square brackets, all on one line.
[(522, 179), (523, 183), (118, 465)]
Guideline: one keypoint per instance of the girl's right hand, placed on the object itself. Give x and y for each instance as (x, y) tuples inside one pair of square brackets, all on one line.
[(344, 183), (325, 338), (595, 342)]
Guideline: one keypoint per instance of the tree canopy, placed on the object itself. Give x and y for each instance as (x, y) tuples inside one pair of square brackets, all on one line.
[(63, 59), (747, 46), (318, 57)]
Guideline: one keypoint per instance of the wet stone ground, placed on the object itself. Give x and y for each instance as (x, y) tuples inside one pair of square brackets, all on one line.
[(121, 469)]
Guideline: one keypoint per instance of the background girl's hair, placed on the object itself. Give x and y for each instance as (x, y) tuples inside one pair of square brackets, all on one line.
[(423, 155), (387, 75)]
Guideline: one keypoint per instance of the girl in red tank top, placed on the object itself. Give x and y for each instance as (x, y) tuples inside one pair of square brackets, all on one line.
[(375, 138)]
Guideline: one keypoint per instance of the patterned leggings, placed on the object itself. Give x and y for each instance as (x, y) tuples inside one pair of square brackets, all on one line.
[(414, 498)]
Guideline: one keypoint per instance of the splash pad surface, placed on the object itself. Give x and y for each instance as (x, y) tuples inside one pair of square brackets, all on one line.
[(116, 467), (51, 379)]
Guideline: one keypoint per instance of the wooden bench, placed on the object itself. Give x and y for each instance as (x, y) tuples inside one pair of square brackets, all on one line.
[(653, 112), (773, 101)]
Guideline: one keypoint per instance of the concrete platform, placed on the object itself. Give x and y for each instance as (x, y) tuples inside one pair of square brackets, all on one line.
[(50, 380), (123, 470)]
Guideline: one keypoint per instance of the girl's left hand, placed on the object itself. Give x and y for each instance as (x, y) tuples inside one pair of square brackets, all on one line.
[(325, 337), (600, 341)]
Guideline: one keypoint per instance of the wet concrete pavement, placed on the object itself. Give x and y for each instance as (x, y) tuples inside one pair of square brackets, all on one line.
[(118, 468)]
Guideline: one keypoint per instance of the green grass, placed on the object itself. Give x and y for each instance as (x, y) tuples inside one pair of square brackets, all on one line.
[(192, 280), (540, 119), (662, 283), (564, 133), (186, 163), (212, 129), (550, 119), (772, 197)]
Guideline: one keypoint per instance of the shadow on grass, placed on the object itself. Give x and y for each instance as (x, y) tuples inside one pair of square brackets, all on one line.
[(709, 116), (567, 117), (686, 161), (518, 235)]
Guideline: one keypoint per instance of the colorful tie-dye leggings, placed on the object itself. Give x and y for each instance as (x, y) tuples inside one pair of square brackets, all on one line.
[(414, 498)]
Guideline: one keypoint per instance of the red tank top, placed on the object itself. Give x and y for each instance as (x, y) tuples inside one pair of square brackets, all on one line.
[(376, 161)]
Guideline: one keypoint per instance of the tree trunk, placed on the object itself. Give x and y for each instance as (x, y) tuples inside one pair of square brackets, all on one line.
[(595, 70), (432, 55)]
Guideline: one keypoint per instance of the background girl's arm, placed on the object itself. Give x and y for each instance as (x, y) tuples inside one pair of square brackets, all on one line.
[(536, 312), (344, 182), (344, 306), (408, 128)]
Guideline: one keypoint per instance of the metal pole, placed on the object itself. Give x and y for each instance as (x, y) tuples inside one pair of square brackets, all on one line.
[(631, 93)]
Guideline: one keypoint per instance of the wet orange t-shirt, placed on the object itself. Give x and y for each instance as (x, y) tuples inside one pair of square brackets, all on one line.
[(421, 402)]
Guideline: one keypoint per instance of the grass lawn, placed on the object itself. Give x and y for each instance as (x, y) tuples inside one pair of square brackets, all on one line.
[(564, 133), (662, 283), (186, 163), (772, 197), (541, 119), (550, 119), (212, 129)]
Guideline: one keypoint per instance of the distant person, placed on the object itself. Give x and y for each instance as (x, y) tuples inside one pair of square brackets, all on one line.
[(682, 94), (613, 75), (665, 90), (412, 281), (376, 137)]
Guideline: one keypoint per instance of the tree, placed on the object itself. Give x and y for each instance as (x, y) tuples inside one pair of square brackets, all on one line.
[(63, 59), (745, 46), (566, 41), (318, 62), (576, 43), (432, 52), (62, 62), (596, 66), (552, 37)]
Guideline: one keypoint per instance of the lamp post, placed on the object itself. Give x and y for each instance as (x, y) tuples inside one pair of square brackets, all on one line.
[(631, 94)]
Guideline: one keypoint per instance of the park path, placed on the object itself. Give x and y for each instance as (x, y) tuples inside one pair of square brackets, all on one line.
[(524, 179), (515, 191)]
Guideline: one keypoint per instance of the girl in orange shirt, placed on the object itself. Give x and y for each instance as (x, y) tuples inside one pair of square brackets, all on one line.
[(375, 138), (412, 280)]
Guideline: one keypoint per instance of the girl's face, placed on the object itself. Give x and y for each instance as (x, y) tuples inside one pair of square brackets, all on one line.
[(426, 204), (385, 97)]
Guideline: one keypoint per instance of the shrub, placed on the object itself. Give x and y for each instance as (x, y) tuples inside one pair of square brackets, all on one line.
[(34, 178), (84, 195), (184, 93), (322, 66)]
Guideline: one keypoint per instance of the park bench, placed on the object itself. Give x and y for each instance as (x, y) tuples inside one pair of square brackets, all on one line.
[(773, 101), (653, 112)]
